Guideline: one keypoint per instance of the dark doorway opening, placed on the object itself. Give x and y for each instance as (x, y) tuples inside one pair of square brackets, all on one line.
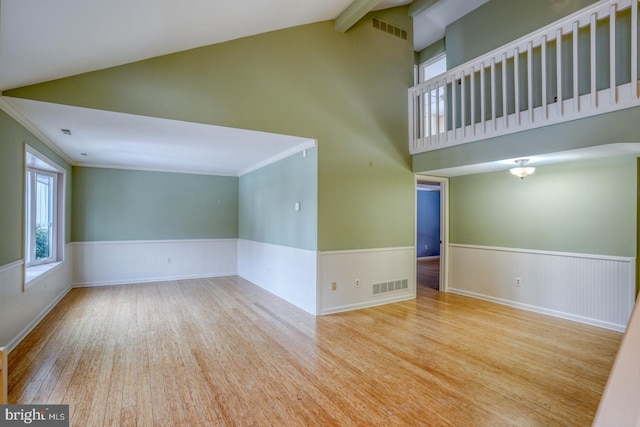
[(428, 234)]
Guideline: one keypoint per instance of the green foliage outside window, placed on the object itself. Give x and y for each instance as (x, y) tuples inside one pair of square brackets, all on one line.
[(42, 241)]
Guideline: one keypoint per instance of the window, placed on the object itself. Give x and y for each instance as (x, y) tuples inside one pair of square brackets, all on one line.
[(43, 210), (434, 99), (433, 67)]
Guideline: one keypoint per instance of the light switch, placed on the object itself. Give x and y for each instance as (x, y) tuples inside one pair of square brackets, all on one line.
[(297, 206)]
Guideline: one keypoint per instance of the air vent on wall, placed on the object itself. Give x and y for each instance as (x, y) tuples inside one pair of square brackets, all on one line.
[(389, 29), (391, 286)]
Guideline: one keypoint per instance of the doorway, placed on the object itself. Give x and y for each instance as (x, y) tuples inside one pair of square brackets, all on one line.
[(430, 238)]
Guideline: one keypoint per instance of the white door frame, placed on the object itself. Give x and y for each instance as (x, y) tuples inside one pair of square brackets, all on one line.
[(444, 226)]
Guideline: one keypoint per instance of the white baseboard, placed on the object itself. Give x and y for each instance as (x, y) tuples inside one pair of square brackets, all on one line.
[(541, 310), (367, 304), (22, 308), (17, 339), (116, 263), (289, 273), (591, 289), (356, 272)]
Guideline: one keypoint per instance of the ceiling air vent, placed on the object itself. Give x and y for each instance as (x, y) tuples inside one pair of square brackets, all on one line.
[(389, 29)]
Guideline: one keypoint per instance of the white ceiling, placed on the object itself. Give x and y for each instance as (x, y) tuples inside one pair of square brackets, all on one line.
[(109, 139), (595, 152), (42, 40)]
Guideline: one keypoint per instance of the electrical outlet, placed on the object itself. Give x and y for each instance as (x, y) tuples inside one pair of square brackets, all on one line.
[(357, 283), (518, 282), (334, 286)]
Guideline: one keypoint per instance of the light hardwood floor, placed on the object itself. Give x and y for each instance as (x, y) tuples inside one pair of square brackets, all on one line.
[(224, 352)]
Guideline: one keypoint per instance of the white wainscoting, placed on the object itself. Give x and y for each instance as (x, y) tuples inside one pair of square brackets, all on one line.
[(115, 263), (592, 289), (368, 267), (289, 273), (21, 309)]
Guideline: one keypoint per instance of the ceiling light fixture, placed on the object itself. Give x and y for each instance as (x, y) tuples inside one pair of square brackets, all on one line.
[(522, 170)]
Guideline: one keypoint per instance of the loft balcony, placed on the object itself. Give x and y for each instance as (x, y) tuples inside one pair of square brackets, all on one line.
[(583, 65)]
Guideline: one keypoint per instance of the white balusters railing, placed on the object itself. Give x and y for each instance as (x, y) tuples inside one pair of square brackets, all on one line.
[(582, 65)]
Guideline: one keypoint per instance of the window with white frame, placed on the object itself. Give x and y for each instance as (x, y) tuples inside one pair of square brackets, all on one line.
[(44, 194), (434, 101), (433, 67)]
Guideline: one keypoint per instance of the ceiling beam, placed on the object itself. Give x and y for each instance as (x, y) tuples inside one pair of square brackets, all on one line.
[(353, 13), (419, 6)]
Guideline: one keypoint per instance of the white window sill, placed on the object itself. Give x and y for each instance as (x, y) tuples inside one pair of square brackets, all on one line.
[(32, 273)]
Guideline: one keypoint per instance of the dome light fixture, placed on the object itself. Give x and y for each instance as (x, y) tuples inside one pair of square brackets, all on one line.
[(522, 170)]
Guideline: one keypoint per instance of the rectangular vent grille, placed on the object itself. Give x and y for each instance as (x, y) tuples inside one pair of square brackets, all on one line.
[(391, 286), (389, 29)]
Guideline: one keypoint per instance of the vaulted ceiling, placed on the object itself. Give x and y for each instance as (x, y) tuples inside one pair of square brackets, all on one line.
[(42, 40)]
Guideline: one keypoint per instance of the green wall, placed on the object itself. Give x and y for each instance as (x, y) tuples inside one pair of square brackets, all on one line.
[(617, 127), (431, 51), (499, 22), (268, 197), (13, 137), (115, 204), (584, 207), (348, 91)]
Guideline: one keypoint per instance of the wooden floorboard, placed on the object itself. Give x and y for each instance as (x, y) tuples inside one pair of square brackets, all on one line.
[(223, 352)]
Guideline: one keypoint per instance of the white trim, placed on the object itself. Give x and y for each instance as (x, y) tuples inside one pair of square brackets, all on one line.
[(59, 209), (587, 288), (425, 258), (122, 262), (443, 282), (541, 310), (143, 242), (150, 280), (31, 278), (360, 251), (16, 340), (367, 304), (44, 158), (148, 169), (287, 272), (574, 108), (12, 111), (280, 156), (543, 252), (11, 265), (366, 267)]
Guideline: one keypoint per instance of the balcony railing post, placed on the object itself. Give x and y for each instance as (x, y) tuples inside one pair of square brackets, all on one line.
[(483, 98), (463, 105), (559, 73), (592, 50), (473, 100), (576, 95), (516, 84), (493, 93), (505, 116), (634, 49), (612, 54), (543, 69)]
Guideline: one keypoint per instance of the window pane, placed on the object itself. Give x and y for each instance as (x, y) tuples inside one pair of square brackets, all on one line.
[(44, 216), (435, 68)]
